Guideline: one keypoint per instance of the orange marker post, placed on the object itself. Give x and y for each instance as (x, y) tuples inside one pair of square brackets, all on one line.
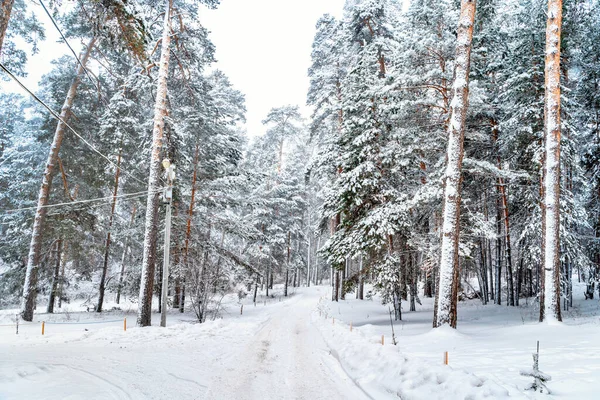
[(446, 358), (43, 326), (125, 324)]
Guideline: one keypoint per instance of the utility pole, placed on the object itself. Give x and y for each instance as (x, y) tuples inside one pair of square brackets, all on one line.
[(168, 198)]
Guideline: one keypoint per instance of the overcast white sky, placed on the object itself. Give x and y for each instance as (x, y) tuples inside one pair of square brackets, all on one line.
[(262, 45)]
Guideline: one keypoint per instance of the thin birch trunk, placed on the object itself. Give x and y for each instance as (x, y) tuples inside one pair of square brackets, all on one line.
[(550, 294), (107, 246), (449, 268), (5, 11), (160, 111), (33, 260)]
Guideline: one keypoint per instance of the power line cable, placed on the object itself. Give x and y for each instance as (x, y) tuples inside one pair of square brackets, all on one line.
[(105, 199), (96, 85), (57, 117)]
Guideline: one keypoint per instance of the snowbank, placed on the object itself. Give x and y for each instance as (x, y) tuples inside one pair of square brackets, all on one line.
[(382, 371)]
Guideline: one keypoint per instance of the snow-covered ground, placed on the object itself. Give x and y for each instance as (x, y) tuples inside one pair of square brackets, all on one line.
[(292, 349), (492, 342)]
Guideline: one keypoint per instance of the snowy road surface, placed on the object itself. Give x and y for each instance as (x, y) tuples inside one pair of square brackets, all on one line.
[(287, 359), (271, 352)]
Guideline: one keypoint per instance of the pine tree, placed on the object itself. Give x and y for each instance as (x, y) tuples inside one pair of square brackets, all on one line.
[(33, 261), (550, 294), (5, 10), (449, 268)]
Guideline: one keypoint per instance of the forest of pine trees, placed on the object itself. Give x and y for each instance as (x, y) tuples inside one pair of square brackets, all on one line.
[(452, 152)]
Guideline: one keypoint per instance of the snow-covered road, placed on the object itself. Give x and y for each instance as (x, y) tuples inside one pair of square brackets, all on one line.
[(271, 352), (286, 359)]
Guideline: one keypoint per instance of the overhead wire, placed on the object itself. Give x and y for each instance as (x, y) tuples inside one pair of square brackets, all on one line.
[(57, 117), (96, 85), (106, 199)]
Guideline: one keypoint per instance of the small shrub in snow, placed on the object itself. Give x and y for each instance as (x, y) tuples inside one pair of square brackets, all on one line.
[(539, 378)]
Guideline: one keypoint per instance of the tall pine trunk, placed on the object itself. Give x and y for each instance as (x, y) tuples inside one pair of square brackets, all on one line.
[(5, 11), (33, 260), (448, 286), (160, 111), (550, 293), (107, 245)]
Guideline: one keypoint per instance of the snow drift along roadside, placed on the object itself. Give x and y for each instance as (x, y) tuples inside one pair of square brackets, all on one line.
[(383, 372)]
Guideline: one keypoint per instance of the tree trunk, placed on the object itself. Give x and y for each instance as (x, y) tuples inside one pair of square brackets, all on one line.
[(308, 254), (188, 229), (413, 283), (61, 282), (550, 294), (336, 289), (287, 264), (107, 246), (397, 304), (5, 10), (33, 260), (483, 272), (160, 111), (510, 298), (498, 254), (488, 251), (519, 281), (317, 262), (343, 281), (55, 276), (157, 288), (449, 268), (255, 289), (267, 278), (361, 280), (123, 257)]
